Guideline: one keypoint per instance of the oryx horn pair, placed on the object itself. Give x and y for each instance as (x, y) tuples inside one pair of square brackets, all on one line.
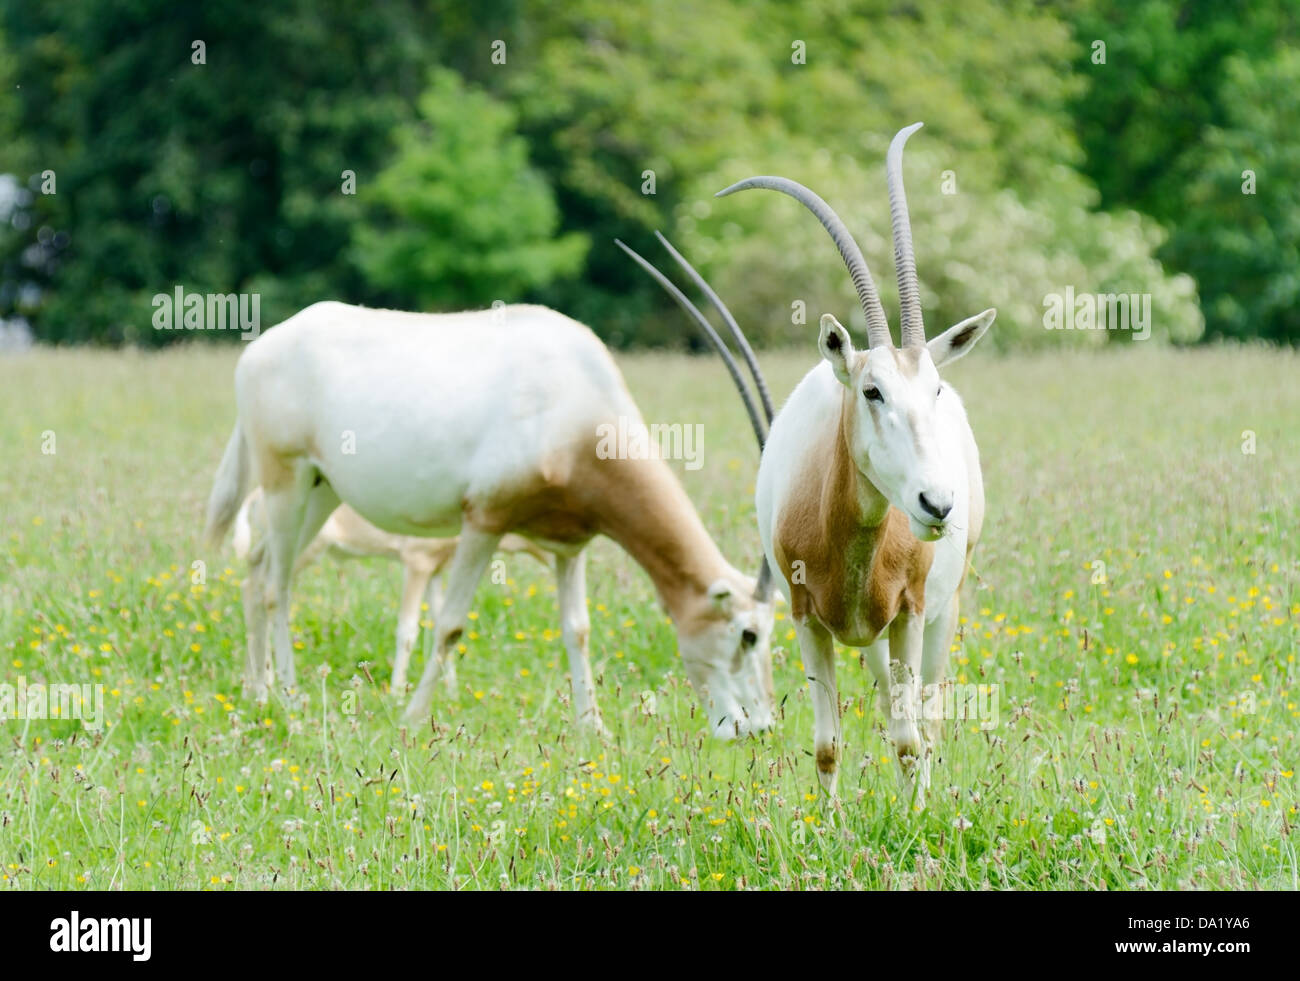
[(878, 335), (909, 294), (763, 589)]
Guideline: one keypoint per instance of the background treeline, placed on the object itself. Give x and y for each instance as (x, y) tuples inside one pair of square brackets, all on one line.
[(1040, 166)]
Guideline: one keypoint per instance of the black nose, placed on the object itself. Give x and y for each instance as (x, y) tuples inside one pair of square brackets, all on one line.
[(930, 509)]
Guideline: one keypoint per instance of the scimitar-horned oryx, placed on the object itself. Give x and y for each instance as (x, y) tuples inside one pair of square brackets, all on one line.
[(870, 498), (480, 424)]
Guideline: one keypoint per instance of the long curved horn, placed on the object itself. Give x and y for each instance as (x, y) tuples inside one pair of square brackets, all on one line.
[(719, 345), (763, 582), (763, 585), (909, 291), (746, 352), (877, 325)]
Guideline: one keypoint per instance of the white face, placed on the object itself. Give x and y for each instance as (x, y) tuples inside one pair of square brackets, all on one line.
[(898, 415), (896, 396), (729, 663)]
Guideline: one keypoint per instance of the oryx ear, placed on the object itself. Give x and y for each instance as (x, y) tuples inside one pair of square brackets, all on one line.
[(960, 338), (720, 595), (836, 347)]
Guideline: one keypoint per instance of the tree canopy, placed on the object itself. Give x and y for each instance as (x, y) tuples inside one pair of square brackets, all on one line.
[(440, 155)]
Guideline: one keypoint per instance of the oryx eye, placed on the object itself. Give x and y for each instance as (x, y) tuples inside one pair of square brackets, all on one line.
[(873, 394), (748, 637), (938, 391)]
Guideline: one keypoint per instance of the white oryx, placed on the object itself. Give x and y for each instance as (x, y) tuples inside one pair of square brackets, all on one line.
[(479, 424), (870, 497), (346, 534)]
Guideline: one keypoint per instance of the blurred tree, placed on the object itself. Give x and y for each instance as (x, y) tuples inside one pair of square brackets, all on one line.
[(1160, 84), (1172, 80), (698, 97), (14, 196), (11, 145), (459, 217), (621, 103), (975, 249), (228, 175), (1240, 231), (218, 173)]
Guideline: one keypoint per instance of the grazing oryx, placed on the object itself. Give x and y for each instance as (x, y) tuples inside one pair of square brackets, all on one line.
[(478, 424), (348, 535), (870, 497)]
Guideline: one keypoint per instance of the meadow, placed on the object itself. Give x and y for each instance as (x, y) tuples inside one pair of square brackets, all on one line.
[(1136, 601)]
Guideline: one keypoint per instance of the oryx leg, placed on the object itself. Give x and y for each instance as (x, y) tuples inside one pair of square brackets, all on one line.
[(817, 648), (295, 512), (473, 553), (437, 589), (877, 658), (416, 577), (934, 670), (433, 599), (575, 625), (257, 662), (309, 554), (906, 641)]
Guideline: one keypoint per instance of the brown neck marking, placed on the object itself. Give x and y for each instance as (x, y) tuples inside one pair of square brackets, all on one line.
[(860, 562), (641, 505)]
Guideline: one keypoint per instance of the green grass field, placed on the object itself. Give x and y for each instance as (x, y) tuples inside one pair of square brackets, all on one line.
[(1147, 730)]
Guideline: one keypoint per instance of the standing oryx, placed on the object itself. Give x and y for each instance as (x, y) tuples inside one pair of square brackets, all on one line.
[(870, 497), (478, 424)]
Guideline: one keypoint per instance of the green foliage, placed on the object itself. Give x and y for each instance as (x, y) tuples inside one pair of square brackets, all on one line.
[(510, 179), (975, 249), (214, 176), (1181, 91), (460, 218), (10, 132), (993, 82), (13, 158), (615, 95), (999, 216), (1160, 86), (1244, 248)]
